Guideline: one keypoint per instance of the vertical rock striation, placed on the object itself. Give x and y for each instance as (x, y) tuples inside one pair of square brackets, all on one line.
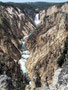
[(46, 45)]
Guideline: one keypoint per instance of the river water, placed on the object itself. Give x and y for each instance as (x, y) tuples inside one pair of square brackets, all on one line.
[(24, 57), (26, 52)]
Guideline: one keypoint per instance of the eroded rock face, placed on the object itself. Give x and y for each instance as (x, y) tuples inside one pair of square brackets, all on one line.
[(6, 83), (59, 81), (52, 10), (42, 15), (63, 78), (13, 26), (64, 8), (46, 45)]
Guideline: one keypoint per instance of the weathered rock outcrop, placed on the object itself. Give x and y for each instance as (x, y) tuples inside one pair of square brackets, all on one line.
[(64, 8), (42, 15), (46, 45), (13, 26), (6, 83), (52, 10)]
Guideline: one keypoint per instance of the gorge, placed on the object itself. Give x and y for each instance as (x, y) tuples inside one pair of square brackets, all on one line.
[(26, 53), (34, 46)]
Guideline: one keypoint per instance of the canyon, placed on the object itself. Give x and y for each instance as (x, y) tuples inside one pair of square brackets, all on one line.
[(45, 51)]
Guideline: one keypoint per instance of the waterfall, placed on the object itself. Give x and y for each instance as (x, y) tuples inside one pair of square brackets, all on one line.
[(24, 57), (37, 20)]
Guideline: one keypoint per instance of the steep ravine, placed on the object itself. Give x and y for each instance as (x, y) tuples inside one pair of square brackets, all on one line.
[(29, 52), (26, 53)]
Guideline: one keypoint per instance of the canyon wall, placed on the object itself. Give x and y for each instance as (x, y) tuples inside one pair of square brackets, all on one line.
[(46, 45), (13, 26)]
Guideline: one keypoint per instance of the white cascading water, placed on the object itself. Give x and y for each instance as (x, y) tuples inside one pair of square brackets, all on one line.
[(24, 57), (37, 20), (26, 53)]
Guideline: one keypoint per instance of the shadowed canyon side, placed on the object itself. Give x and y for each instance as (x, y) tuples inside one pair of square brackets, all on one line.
[(33, 46)]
